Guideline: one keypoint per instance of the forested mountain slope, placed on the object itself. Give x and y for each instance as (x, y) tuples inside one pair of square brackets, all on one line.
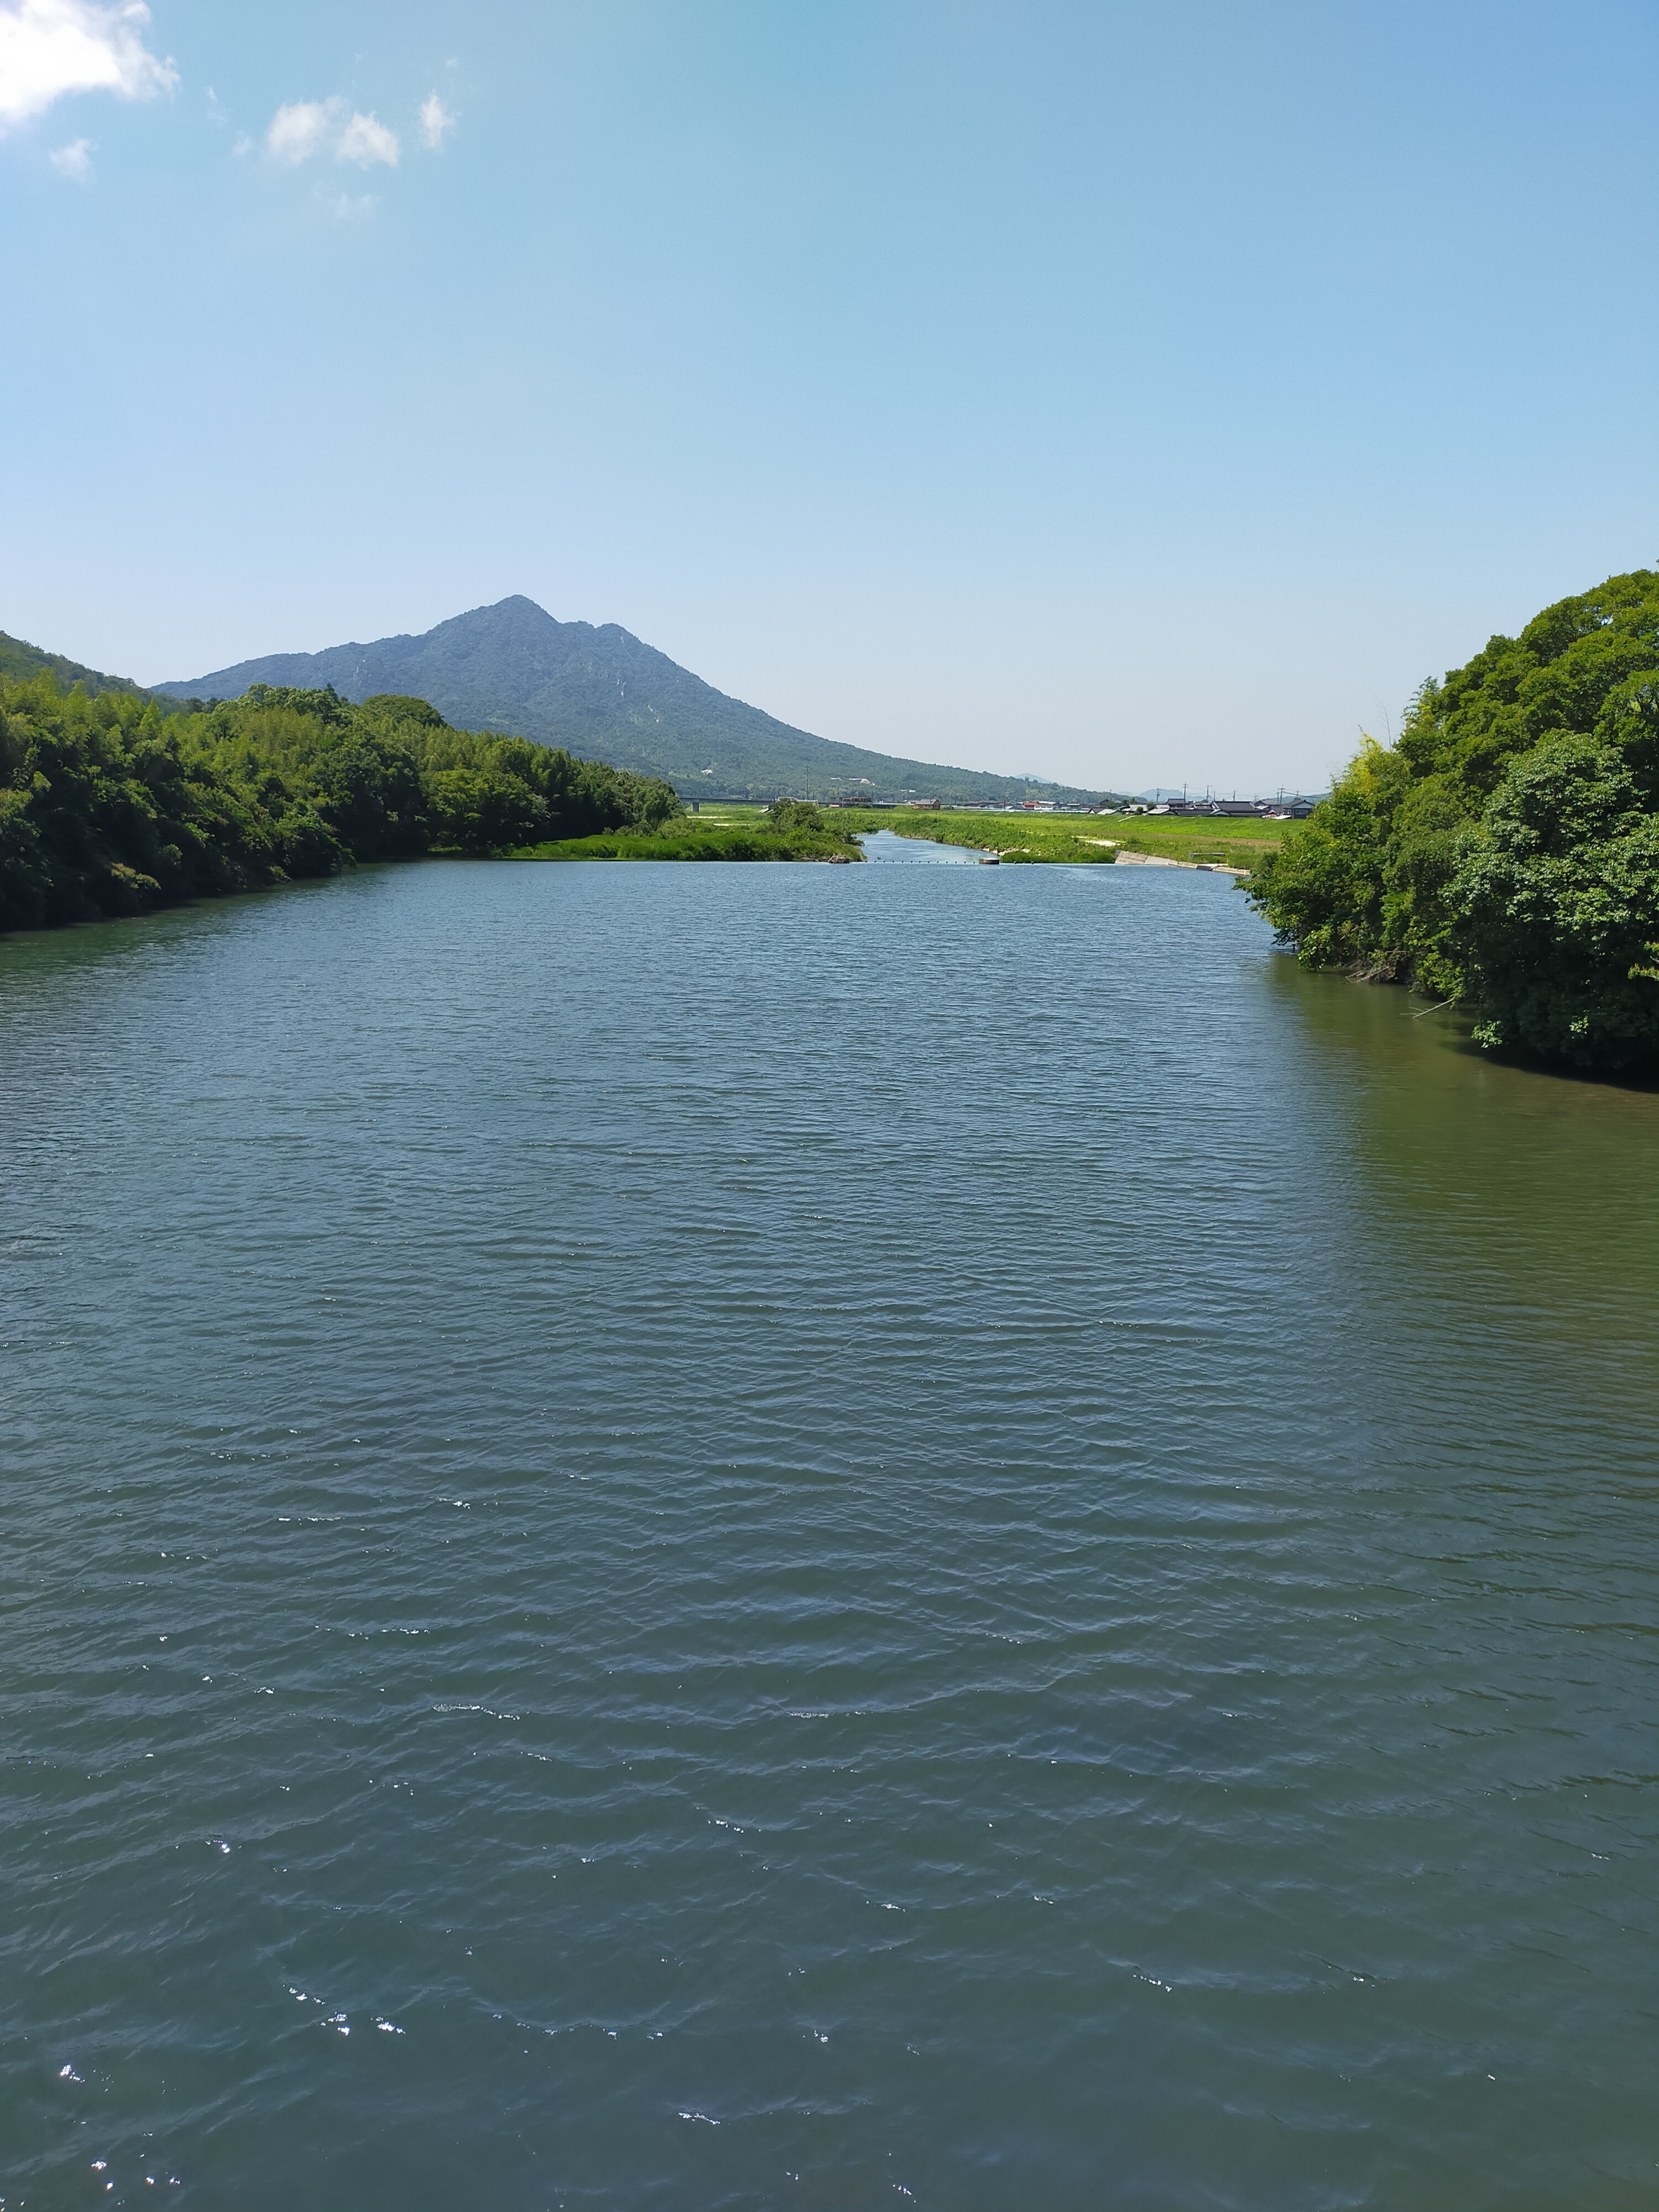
[(605, 694), (21, 662)]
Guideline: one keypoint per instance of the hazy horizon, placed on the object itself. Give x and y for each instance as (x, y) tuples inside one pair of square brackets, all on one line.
[(1126, 396)]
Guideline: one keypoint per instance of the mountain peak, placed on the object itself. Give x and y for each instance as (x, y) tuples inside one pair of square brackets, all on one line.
[(606, 695)]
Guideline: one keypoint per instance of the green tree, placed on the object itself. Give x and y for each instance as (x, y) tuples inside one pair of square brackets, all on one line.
[(1558, 909), (481, 809), (795, 814), (111, 802), (367, 787), (400, 711), (103, 811), (1417, 867)]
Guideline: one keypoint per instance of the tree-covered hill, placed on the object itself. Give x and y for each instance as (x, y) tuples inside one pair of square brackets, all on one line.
[(20, 661), (110, 807), (604, 693), (1505, 850)]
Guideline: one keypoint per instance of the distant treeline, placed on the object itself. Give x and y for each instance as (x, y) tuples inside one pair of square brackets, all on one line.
[(1505, 851), (790, 829), (110, 807)]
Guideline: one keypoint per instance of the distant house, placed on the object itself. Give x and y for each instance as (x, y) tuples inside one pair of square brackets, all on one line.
[(1213, 806), (1295, 810)]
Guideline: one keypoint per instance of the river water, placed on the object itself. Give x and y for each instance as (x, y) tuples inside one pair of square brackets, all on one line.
[(702, 1537), (886, 845)]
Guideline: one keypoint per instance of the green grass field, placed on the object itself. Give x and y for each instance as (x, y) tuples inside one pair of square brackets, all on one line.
[(730, 830), (1238, 844)]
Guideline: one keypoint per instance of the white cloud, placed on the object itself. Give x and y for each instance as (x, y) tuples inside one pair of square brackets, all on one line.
[(316, 126), (50, 47), (435, 120), (298, 132), (74, 160), (365, 139)]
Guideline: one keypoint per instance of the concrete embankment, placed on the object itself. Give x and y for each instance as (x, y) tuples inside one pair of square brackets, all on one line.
[(1161, 860)]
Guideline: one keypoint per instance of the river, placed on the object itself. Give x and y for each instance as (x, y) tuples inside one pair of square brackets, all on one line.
[(702, 1537)]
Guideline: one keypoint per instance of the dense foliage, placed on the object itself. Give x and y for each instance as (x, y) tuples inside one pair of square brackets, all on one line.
[(109, 806), (789, 829), (1505, 850)]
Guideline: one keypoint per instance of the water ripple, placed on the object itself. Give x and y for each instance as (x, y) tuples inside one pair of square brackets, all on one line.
[(739, 1537)]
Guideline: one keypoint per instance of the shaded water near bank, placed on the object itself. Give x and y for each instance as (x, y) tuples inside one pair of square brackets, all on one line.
[(702, 1537)]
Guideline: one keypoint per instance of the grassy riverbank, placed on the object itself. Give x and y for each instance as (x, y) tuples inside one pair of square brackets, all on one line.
[(1081, 838), (800, 834)]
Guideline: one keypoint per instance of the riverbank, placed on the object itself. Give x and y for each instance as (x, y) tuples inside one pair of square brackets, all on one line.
[(691, 839), (1082, 839)]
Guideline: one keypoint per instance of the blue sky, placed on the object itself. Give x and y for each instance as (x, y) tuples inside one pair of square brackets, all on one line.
[(1127, 393)]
